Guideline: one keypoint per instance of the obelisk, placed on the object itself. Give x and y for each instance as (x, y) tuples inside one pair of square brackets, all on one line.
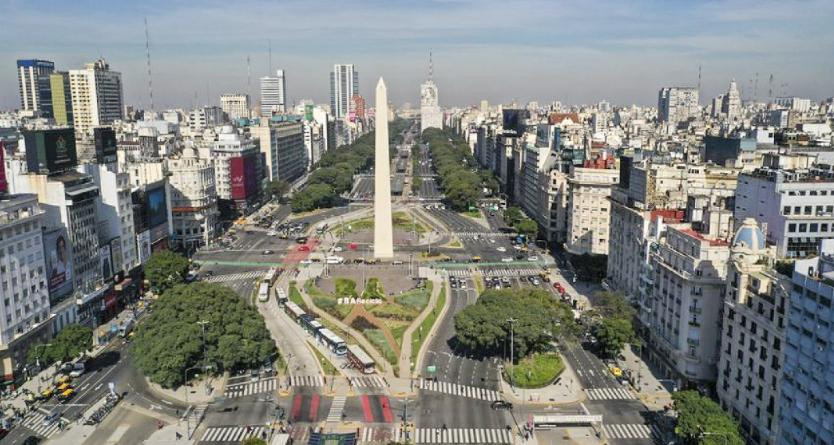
[(383, 232)]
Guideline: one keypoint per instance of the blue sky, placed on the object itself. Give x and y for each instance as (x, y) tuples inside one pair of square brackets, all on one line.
[(572, 51)]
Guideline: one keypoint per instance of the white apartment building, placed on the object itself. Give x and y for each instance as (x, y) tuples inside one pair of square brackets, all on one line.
[(97, 97), (24, 287), (344, 83), (285, 153), (682, 311), (273, 94), (193, 200), (114, 210), (229, 144), (202, 118), (677, 104), (753, 337), (795, 207), (589, 210), (236, 106)]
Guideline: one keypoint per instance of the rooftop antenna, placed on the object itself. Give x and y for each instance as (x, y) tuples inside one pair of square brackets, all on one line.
[(248, 75), (770, 87), (269, 43), (699, 79), (756, 88), (148, 55), (431, 66)]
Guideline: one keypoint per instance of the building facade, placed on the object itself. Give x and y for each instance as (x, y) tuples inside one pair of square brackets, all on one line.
[(194, 214), (33, 83), (59, 85), (344, 83), (589, 210), (283, 148), (677, 104), (97, 97), (273, 94), (236, 106)]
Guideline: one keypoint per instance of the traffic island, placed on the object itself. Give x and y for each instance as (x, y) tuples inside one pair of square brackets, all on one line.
[(562, 389)]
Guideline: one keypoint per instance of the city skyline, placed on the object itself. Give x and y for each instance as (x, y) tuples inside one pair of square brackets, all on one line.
[(571, 53)]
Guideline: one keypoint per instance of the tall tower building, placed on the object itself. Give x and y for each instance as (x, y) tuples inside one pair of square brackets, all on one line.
[(344, 83), (97, 97), (59, 85), (33, 81), (273, 94), (677, 104), (731, 103), (430, 114)]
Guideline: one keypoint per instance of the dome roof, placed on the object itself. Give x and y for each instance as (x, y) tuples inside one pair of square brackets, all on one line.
[(749, 235)]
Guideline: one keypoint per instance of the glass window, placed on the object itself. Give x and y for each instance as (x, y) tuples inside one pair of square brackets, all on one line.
[(791, 227), (803, 228), (786, 210), (813, 227), (824, 227)]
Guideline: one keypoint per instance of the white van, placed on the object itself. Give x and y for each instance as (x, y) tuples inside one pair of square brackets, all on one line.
[(334, 260)]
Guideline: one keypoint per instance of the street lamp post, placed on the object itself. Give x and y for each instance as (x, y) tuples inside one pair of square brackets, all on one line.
[(511, 321), (203, 324), (185, 379), (37, 356)]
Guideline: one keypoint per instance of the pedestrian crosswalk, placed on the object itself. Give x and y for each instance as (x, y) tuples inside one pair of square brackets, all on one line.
[(233, 434), (235, 277), (630, 431), (383, 435), (481, 234), (306, 380), (496, 272), (459, 390), (609, 394), (367, 382), (462, 435), (34, 422), (248, 388), (335, 413)]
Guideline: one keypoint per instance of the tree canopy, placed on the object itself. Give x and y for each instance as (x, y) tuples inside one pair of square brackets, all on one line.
[(171, 340), (701, 421), (253, 441), (333, 174), (460, 178), (70, 342), (612, 334), (538, 319), (277, 188), (165, 269)]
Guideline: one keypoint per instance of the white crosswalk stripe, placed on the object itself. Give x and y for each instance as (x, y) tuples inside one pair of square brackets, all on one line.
[(368, 382), (459, 390), (462, 435), (335, 413), (234, 434), (34, 422), (627, 431), (234, 277), (481, 234), (382, 435), (306, 380), (609, 394), (248, 388)]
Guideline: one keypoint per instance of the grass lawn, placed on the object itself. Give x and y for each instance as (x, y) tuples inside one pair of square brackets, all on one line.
[(472, 213), (377, 338), (373, 289), (295, 297), (345, 288), (397, 330), (425, 327), (326, 366), (536, 371), (479, 284), (400, 220), (404, 221), (455, 243), (416, 299)]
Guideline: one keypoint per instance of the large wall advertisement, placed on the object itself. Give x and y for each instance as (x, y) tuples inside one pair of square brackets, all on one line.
[(106, 262), (50, 151), (143, 243), (116, 255), (157, 207), (244, 182), (105, 142), (4, 186), (59, 270)]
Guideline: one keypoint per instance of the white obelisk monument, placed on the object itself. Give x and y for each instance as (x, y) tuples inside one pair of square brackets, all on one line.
[(383, 232)]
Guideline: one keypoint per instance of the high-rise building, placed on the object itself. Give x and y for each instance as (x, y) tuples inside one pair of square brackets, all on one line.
[(97, 97), (273, 94), (677, 104), (194, 214), (805, 408), (430, 114), (282, 145), (236, 106), (344, 83), (731, 102), (25, 279), (33, 81), (237, 170), (59, 85), (589, 205)]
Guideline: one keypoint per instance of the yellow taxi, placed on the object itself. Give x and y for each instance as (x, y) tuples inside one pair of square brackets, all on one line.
[(63, 379), (616, 371), (47, 393), (69, 392)]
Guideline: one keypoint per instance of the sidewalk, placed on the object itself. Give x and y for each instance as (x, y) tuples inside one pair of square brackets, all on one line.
[(566, 391), (406, 366), (650, 389)]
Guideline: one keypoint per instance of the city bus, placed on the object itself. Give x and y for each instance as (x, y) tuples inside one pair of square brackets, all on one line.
[(282, 296), (310, 324), (294, 311), (263, 292), (333, 341), (360, 359), (270, 277)]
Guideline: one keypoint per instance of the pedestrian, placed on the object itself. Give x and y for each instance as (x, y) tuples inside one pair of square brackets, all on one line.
[(178, 435)]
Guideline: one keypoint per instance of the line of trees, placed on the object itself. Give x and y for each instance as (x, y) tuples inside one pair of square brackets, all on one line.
[(70, 343), (333, 174), (514, 218), (460, 178), (701, 421), (614, 322), (538, 320)]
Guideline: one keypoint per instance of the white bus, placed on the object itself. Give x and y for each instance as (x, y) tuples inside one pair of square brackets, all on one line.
[(270, 277), (333, 341), (282, 296), (263, 292)]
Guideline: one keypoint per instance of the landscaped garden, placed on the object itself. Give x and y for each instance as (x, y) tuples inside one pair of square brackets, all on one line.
[(535, 371)]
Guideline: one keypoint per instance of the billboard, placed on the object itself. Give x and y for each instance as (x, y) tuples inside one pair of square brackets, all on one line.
[(157, 206), (106, 262), (514, 121), (116, 255), (105, 142), (244, 181), (4, 186), (143, 244), (58, 258), (50, 151)]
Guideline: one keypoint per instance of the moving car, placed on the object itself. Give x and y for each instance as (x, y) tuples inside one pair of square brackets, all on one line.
[(506, 260), (501, 404), (501, 249), (267, 252)]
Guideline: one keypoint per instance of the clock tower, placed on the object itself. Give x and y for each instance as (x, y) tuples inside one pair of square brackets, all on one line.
[(430, 114)]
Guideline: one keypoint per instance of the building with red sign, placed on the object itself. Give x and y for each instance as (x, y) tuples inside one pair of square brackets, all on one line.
[(237, 171)]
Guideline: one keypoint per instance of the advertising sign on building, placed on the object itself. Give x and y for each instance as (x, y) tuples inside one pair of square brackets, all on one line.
[(143, 244), (4, 186), (116, 255), (243, 179), (157, 207), (106, 262), (58, 256), (50, 151), (105, 143)]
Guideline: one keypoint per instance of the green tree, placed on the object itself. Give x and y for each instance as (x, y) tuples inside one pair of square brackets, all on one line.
[(701, 421), (171, 340), (69, 344), (253, 441), (277, 188), (612, 334), (512, 216), (165, 269), (527, 227), (538, 320), (612, 305)]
